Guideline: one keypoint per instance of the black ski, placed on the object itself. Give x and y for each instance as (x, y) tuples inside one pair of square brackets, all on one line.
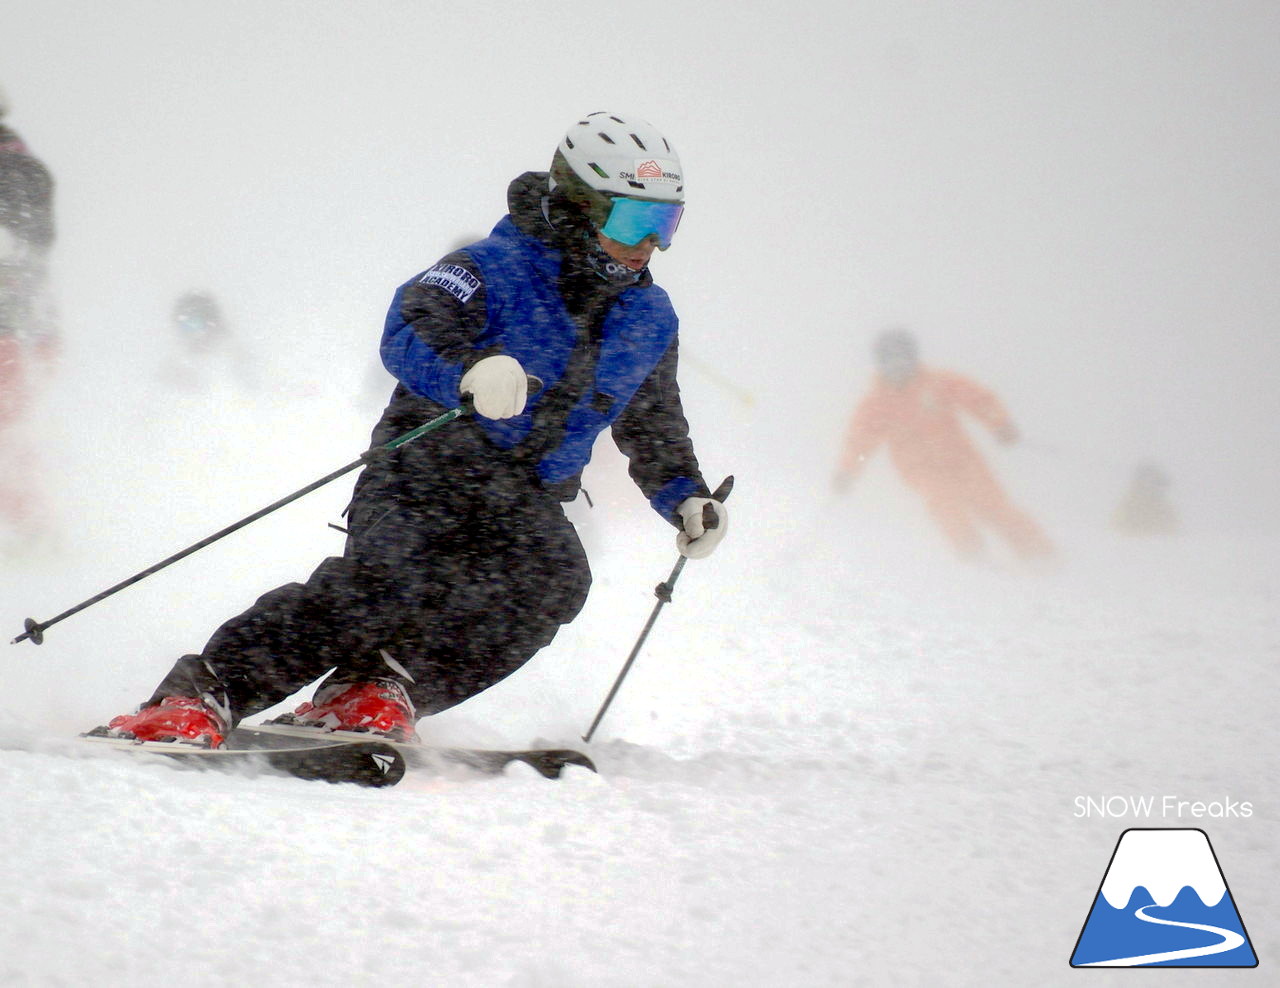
[(549, 762), (364, 762)]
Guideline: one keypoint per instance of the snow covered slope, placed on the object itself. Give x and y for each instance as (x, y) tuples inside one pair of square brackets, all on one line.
[(840, 771)]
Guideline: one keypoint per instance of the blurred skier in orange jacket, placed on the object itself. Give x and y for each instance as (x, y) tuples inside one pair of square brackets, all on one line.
[(915, 411)]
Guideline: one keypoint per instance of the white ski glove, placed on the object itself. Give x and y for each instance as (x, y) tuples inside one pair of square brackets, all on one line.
[(499, 386), (704, 523)]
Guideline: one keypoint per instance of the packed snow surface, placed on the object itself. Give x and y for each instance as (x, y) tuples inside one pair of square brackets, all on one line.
[(840, 766)]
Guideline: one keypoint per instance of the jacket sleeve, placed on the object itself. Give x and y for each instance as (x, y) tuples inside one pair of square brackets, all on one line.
[(978, 402), (429, 339), (653, 434)]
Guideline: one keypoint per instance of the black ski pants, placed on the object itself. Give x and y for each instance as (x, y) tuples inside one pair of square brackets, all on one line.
[(458, 565)]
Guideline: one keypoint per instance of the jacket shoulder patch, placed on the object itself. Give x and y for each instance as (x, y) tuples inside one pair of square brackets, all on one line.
[(453, 278)]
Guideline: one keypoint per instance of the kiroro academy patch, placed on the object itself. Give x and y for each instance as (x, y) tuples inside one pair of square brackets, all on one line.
[(454, 279)]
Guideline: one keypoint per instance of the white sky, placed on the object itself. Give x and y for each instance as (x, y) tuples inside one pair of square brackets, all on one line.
[(1077, 204)]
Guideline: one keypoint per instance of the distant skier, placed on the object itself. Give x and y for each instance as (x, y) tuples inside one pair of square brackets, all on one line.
[(915, 411), (206, 354), (460, 563), (28, 332), (1146, 508)]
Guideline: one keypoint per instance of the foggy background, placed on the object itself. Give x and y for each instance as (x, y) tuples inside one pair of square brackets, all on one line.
[(1078, 205)]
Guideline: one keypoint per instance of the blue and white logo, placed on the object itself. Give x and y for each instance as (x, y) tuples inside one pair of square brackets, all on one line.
[(1163, 902)]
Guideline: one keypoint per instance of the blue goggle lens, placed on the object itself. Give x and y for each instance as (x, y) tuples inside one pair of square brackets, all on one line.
[(631, 220)]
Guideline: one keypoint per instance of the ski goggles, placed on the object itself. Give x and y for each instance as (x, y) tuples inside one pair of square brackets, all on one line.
[(632, 220)]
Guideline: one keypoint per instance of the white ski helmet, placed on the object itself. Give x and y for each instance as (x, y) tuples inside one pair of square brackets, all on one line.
[(621, 156), (607, 156)]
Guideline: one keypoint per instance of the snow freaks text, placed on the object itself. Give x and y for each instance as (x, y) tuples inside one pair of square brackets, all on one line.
[(1164, 807)]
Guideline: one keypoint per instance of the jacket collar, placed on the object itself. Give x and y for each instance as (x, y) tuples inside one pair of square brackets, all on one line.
[(538, 216)]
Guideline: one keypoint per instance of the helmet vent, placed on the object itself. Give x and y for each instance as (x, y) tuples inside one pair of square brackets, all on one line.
[(607, 156)]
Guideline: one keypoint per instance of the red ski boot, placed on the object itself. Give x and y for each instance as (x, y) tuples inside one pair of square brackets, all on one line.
[(175, 718), (380, 707)]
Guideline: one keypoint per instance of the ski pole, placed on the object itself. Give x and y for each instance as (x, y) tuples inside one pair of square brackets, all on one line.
[(663, 592), (35, 629)]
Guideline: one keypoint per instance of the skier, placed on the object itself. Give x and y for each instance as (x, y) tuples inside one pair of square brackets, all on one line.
[(198, 320), (915, 411), (1146, 508), (208, 353), (460, 563), (27, 326)]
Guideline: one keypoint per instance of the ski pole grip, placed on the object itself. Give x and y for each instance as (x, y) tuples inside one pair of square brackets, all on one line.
[(710, 519)]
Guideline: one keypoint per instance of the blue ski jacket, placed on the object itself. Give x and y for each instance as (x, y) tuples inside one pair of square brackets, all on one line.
[(503, 294)]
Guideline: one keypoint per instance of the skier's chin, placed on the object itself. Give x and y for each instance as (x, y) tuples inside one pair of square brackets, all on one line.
[(632, 257)]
